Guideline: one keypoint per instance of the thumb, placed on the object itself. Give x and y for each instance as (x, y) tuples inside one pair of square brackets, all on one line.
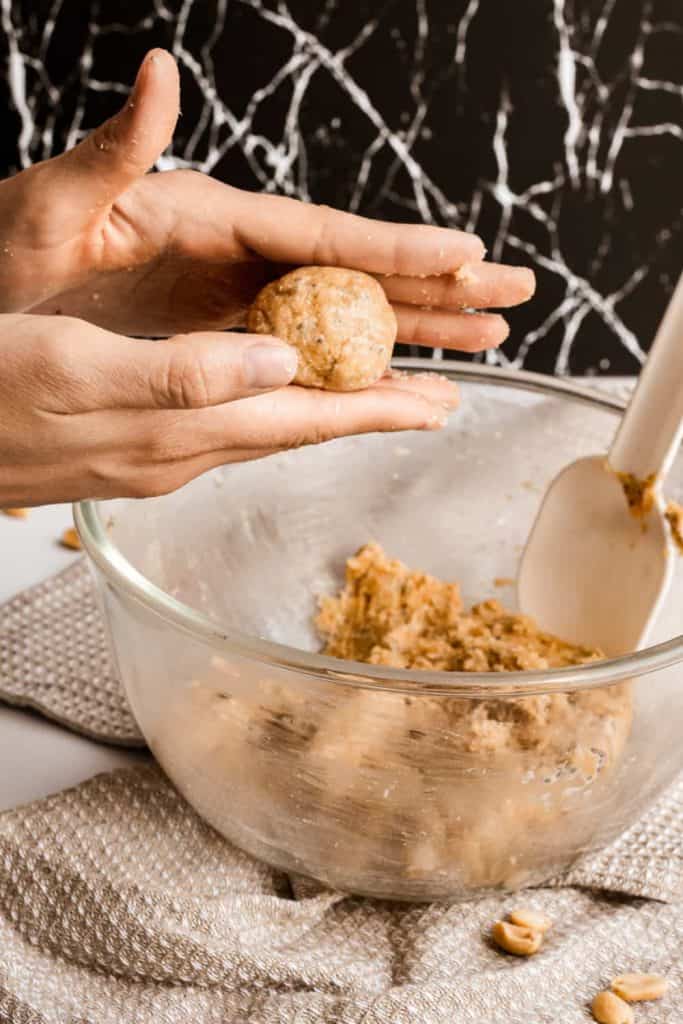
[(124, 148), (194, 371)]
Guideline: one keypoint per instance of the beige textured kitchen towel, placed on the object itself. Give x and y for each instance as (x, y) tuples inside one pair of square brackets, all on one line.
[(118, 905), (54, 657)]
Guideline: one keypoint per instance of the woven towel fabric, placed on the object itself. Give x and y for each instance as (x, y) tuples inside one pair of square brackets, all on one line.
[(118, 905), (54, 658)]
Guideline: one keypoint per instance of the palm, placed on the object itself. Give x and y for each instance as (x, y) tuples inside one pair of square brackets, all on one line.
[(163, 265)]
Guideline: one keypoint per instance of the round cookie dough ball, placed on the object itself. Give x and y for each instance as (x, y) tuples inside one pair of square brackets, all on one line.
[(339, 320)]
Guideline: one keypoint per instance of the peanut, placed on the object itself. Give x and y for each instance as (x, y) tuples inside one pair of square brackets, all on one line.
[(534, 919), (516, 939), (70, 539), (639, 988), (610, 1009)]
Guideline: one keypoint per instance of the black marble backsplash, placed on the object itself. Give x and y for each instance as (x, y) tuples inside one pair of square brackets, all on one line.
[(553, 128)]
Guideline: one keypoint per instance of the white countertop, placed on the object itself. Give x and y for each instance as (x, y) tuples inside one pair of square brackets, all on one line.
[(37, 757)]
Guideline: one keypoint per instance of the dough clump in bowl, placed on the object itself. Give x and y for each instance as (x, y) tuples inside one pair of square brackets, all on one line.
[(405, 794), (339, 320)]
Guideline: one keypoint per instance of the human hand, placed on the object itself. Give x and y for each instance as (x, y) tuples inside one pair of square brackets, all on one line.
[(87, 413), (90, 234)]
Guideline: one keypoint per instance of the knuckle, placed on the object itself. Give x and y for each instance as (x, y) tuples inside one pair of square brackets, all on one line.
[(184, 382), (55, 338), (105, 137), (188, 176), (449, 293), (314, 434), (171, 442), (47, 352), (53, 352), (411, 326), (113, 477), (311, 437), (398, 253), (323, 248), (151, 485), (110, 139)]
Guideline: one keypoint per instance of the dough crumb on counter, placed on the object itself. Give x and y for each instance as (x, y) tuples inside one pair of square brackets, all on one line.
[(70, 539), (388, 614)]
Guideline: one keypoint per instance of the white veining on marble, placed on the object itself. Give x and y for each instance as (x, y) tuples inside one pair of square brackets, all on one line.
[(592, 141)]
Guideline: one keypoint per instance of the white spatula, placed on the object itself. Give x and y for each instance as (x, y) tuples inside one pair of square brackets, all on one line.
[(591, 571)]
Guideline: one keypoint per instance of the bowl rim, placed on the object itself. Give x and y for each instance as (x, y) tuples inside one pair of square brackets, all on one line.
[(121, 574)]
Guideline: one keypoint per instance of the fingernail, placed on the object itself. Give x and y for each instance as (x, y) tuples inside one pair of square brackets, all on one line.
[(270, 366), (151, 59), (527, 280)]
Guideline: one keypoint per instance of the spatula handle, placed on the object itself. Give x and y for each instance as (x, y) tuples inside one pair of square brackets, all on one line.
[(652, 427)]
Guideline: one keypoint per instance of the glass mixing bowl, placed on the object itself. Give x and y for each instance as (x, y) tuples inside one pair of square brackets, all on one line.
[(403, 784)]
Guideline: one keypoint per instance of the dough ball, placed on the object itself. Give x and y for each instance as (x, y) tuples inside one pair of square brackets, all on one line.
[(339, 320)]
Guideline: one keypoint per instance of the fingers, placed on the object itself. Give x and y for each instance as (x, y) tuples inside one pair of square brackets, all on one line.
[(296, 416), (432, 386), (475, 285), (192, 371), (288, 231), (201, 370), (124, 148), (145, 453), (465, 332)]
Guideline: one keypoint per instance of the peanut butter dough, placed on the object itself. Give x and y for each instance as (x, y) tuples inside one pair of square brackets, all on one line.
[(640, 494), (389, 615), (674, 516), (340, 321), (405, 795)]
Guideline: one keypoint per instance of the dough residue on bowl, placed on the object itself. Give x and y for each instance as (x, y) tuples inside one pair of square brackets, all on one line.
[(640, 494), (674, 517)]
